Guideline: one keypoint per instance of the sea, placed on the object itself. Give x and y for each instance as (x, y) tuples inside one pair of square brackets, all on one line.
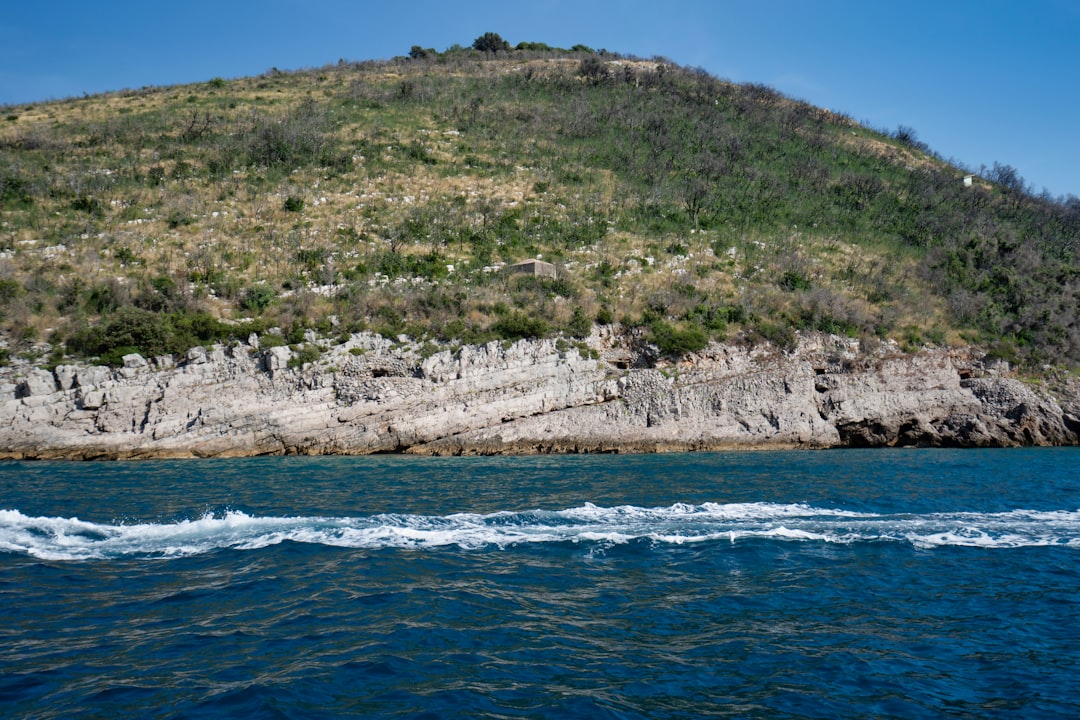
[(796, 584)]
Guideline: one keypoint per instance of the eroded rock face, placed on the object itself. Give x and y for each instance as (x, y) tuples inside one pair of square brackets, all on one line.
[(532, 396)]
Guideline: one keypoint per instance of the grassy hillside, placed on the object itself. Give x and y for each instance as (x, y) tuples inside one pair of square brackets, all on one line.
[(388, 196)]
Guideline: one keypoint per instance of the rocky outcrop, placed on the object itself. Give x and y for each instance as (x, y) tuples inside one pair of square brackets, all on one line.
[(370, 395)]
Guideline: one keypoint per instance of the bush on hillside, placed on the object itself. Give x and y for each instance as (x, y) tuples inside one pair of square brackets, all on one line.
[(490, 42), (677, 341)]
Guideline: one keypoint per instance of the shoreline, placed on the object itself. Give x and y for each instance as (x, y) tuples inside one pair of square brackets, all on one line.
[(371, 395)]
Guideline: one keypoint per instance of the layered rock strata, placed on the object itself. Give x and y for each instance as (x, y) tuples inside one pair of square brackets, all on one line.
[(371, 396)]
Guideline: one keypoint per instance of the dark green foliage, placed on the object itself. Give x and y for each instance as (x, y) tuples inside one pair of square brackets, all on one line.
[(430, 266), (466, 333), (311, 258), (490, 42), (416, 151), (594, 70), (9, 290), (126, 256), (257, 298), (106, 297), (518, 325), (304, 354), (714, 318), (177, 218), (535, 47), (794, 280), (133, 329), (580, 326), (295, 334), (130, 328), (271, 340), (294, 204), (677, 341), (416, 52), (16, 191), (388, 321), (114, 356), (540, 288), (393, 264), (89, 205), (160, 295), (199, 328), (604, 273)]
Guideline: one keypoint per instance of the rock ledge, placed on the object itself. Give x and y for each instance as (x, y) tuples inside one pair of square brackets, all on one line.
[(371, 396)]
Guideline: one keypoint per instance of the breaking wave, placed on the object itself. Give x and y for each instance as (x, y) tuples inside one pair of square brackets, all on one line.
[(55, 538)]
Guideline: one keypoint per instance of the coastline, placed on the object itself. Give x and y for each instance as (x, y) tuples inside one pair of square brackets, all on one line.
[(610, 394)]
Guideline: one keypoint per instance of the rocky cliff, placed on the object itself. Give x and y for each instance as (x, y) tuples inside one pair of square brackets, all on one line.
[(371, 395)]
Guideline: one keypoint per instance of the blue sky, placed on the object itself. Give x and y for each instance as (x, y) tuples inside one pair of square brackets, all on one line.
[(979, 80)]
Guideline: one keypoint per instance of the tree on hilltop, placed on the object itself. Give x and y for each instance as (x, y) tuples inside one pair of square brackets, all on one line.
[(490, 42), (418, 52)]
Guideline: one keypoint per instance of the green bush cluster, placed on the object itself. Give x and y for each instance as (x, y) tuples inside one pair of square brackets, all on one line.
[(677, 341), (518, 326), (131, 329), (304, 354)]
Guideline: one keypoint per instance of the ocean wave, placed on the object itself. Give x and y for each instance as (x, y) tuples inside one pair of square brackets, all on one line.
[(57, 538)]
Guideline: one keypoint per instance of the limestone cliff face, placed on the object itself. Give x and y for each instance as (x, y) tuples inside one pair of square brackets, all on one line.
[(369, 396)]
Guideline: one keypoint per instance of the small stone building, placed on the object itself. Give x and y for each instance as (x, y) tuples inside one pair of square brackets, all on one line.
[(536, 268)]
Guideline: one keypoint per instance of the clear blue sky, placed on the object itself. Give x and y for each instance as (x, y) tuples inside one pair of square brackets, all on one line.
[(979, 80)]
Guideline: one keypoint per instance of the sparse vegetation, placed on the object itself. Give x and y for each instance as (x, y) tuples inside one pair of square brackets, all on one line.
[(390, 194)]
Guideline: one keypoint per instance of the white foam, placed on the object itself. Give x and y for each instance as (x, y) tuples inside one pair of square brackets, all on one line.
[(55, 538)]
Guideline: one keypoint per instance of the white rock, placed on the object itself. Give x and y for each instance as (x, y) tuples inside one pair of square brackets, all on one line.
[(37, 382)]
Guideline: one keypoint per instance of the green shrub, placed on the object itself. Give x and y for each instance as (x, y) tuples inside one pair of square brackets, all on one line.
[(114, 357), (579, 326), (296, 333), (257, 298), (517, 326), (177, 218), (294, 204), (16, 191), (135, 329), (490, 42), (270, 340), (794, 280), (195, 328), (9, 290), (89, 205), (305, 354), (129, 328), (677, 341)]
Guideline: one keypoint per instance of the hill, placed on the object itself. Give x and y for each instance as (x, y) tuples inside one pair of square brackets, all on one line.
[(390, 196)]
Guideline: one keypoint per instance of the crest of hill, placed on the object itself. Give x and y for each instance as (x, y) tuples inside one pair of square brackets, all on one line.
[(391, 195)]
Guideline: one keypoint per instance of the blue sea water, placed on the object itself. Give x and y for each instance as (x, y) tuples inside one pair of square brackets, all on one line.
[(838, 584)]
